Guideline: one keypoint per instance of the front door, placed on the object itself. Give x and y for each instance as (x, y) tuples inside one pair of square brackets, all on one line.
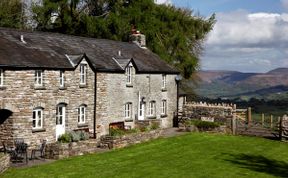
[(60, 120), (141, 111)]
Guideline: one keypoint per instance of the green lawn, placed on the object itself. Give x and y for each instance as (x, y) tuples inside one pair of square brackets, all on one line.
[(192, 155)]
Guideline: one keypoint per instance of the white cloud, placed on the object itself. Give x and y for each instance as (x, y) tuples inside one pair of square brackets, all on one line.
[(247, 41)]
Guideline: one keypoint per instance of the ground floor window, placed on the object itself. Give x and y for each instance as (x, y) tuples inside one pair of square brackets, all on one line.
[(152, 108), (164, 107), (37, 118), (82, 114), (128, 110)]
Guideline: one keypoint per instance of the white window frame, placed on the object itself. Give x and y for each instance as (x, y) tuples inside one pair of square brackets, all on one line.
[(152, 108), (164, 107), (129, 70), (82, 114), (164, 82), (38, 78), (61, 79), (1, 77), (60, 113), (128, 110), (83, 73), (37, 117)]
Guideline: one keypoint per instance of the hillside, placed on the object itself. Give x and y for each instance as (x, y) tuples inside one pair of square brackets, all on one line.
[(233, 84)]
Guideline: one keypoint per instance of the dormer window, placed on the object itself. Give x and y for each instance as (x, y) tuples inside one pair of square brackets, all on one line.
[(38, 78), (61, 79), (164, 81), (1, 77), (129, 70), (83, 73)]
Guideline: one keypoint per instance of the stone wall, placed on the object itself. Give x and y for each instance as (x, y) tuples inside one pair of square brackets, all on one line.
[(135, 138), (4, 162), (20, 96), (64, 150), (217, 112)]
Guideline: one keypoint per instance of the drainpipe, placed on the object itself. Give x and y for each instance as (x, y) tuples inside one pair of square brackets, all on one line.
[(95, 99)]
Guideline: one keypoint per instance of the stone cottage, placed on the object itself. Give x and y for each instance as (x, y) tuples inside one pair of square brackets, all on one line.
[(53, 83)]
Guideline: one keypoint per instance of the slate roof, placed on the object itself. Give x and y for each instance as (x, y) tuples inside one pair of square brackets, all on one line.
[(59, 51)]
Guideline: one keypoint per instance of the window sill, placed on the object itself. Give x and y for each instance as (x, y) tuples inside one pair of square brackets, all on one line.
[(129, 85), (163, 89), (151, 117), (163, 115), (82, 125), (83, 86), (39, 87), (128, 120), (2, 88), (38, 130), (62, 88)]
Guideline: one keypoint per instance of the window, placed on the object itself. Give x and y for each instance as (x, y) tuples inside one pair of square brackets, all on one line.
[(152, 108), (1, 77), (60, 114), (39, 77), (83, 74), (37, 121), (163, 81), (82, 114), (61, 79), (128, 110), (129, 74), (164, 107)]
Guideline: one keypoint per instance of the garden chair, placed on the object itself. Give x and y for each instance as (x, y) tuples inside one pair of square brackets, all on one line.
[(41, 150), (21, 150)]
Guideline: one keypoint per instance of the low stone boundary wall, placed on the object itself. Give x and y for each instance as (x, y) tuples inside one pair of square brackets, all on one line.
[(4, 162), (135, 138), (64, 150)]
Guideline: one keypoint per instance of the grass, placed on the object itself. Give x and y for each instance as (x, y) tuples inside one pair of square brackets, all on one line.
[(192, 155)]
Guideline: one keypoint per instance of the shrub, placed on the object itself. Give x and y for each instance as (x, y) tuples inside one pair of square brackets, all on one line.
[(83, 135), (75, 136), (154, 126), (116, 132), (132, 131), (65, 138), (204, 125), (144, 129)]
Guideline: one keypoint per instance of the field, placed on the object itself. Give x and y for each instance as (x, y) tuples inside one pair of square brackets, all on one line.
[(192, 155)]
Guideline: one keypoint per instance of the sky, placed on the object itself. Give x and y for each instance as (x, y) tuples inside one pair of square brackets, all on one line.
[(249, 35)]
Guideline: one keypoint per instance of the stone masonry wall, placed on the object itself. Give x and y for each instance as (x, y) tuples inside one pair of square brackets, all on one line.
[(20, 96), (4, 162), (113, 94), (220, 112)]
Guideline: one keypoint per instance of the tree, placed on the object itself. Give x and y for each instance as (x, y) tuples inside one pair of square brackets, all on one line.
[(175, 34), (11, 13)]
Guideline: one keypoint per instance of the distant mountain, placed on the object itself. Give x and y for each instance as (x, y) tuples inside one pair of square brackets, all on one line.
[(233, 84)]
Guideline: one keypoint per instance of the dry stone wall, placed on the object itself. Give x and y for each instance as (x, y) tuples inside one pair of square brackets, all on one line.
[(4, 162)]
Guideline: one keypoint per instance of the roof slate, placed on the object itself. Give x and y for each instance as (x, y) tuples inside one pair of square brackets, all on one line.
[(53, 50)]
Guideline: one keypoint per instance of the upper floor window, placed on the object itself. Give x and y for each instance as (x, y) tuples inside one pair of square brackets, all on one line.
[(83, 74), (129, 69), (152, 108), (37, 121), (1, 77), (82, 114), (164, 81), (61, 79), (164, 107), (39, 77), (128, 110)]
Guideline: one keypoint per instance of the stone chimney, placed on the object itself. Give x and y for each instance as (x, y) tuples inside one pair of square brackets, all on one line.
[(138, 38)]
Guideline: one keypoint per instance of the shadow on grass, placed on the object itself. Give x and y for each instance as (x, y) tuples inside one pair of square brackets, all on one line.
[(260, 164)]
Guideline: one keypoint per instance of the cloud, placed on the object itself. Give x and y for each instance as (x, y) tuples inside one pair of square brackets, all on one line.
[(284, 3), (247, 41)]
